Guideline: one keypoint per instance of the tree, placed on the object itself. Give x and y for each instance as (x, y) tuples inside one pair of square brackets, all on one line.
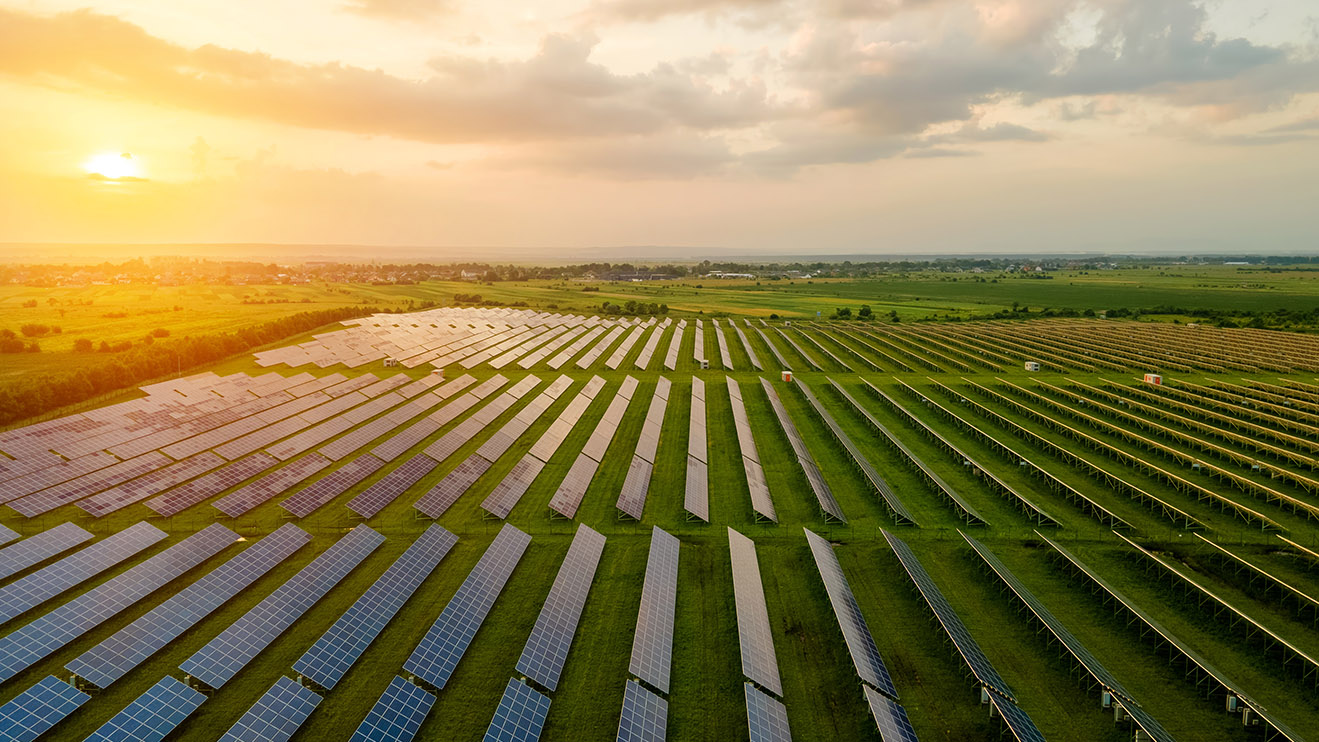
[(843, 313), (865, 312), (82, 345)]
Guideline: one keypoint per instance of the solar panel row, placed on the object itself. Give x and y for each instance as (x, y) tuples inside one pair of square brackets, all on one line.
[(823, 494), (23, 595), (645, 715), (675, 344), (152, 715), (767, 717), (225, 655), (145, 486), (759, 663), (307, 500), (36, 640), (397, 715), (276, 715), (34, 711), (118, 654), (746, 345), (75, 489), (568, 497), (761, 502), (438, 653), (209, 485), (509, 491), (49, 476), (379, 495), (696, 495), (326, 662), (40, 547), (271, 485), (410, 436), (520, 716), (652, 645), (725, 358), (616, 358), (454, 484), (547, 648), (359, 438)]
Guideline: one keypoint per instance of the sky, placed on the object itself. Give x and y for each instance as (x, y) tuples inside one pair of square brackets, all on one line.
[(761, 126)]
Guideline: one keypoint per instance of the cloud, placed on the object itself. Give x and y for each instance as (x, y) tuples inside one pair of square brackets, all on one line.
[(1310, 124), (940, 152), (400, 10), (558, 93), (645, 11)]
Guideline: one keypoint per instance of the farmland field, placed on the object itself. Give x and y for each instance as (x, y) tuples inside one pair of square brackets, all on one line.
[(1220, 451)]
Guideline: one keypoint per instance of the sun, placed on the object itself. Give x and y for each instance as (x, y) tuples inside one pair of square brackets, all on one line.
[(112, 166)]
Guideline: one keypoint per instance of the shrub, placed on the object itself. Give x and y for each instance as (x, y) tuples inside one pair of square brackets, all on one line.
[(82, 345)]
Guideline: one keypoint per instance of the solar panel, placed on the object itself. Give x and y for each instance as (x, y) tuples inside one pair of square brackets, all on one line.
[(767, 718), (975, 658), (547, 648), (217, 662), (130, 646), (860, 643), (696, 495), (152, 715), (275, 716), (632, 498), (652, 646), (447, 491), (520, 716), (7, 534), (23, 595), (203, 488), (37, 709), (758, 489), (645, 715), (1018, 723), (343, 643), (271, 485), (823, 494), (438, 653), (34, 641), (753, 632), (568, 497), (397, 715), (379, 495), (39, 548), (306, 501), (894, 726), (506, 494)]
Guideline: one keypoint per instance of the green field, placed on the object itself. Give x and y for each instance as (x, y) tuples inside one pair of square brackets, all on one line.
[(821, 692)]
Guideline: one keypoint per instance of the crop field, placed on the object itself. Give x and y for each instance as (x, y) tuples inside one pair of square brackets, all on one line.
[(1105, 540)]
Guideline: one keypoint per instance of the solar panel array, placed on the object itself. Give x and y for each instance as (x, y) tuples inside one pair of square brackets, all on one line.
[(568, 497), (823, 494), (632, 499), (49, 476), (40, 547), (645, 715), (209, 485), (725, 358), (860, 642), (975, 658), (23, 595), (37, 709), (759, 663), (597, 350), (761, 502), (379, 495), (675, 344), (449, 443), (397, 715), (894, 726), (354, 440), (75, 489), (696, 496), (152, 715), (454, 484), (520, 716), (276, 715), (767, 717), (34, 641), (509, 491), (326, 662), (217, 662), (145, 486), (271, 485), (652, 645), (438, 653), (547, 648), (114, 657), (566, 354), (616, 358), (397, 444), (306, 501)]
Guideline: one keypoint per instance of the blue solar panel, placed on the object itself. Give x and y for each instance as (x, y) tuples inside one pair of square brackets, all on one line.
[(645, 715), (652, 646), (118, 654), (151, 715), (339, 647), (1018, 723), (226, 654), (7, 535), (890, 718), (398, 714), (438, 653), (767, 718), (547, 648), (23, 595), (39, 708), (759, 662), (276, 715), (520, 716), (25, 646), (39, 548)]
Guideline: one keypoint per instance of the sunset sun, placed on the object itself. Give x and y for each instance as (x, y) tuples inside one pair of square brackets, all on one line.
[(112, 166)]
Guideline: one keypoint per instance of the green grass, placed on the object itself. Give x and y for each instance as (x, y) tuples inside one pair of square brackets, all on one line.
[(821, 691)]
